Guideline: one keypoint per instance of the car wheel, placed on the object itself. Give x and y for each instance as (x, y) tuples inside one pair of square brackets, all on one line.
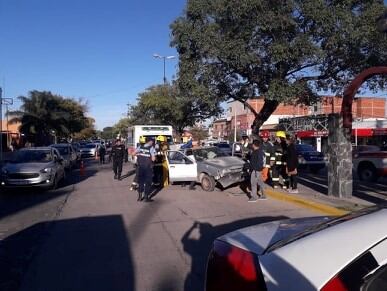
[(367, 173), (208, 183)]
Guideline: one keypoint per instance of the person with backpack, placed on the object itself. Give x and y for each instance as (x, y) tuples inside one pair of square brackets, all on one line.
[(257, 164)]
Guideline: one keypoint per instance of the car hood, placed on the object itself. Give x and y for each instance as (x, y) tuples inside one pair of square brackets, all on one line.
[(225, 162), (25, 167), (258, 238)]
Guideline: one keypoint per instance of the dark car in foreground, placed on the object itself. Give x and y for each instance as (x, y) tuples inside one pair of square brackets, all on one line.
[(33, 167), (309, 158), (305, 254)]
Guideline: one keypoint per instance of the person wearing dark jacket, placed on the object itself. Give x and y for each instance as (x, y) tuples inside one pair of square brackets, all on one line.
[(257, 163), (292, 164), (118, 154)]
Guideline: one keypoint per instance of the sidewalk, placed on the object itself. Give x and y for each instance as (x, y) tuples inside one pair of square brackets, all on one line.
[(313, 189)]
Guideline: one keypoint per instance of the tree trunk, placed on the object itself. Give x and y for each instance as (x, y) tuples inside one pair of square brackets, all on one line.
[(268, 108)]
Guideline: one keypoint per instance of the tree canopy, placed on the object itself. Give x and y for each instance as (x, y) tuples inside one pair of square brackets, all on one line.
[(43, 113), (165, 104), (285, 51)]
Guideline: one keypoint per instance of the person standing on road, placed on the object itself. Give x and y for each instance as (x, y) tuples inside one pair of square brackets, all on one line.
[(146, 155), (118, 154), (257, 164), (292, 164), (277, 161), (268, 149), (102, 153)]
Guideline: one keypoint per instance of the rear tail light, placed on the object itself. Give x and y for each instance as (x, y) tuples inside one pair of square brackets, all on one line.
[(335, 284), (231, 268)]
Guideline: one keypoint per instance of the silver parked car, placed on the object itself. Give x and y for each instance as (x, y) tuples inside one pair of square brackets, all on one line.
[(89, 150), (68, 154), (38, 167), (207, 166)]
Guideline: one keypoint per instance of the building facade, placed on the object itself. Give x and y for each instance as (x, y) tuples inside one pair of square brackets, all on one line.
[(366, 111)]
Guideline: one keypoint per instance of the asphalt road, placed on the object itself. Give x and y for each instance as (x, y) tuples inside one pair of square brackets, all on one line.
[(93, 235)]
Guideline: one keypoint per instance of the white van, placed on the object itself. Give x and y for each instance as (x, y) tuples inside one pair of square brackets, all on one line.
[(153, 131)]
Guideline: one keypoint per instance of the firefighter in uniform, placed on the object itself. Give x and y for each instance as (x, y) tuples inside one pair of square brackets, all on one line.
[(278, 159), (158, 166), (118, 154), (282, 142), (268, 149), (146, 155)]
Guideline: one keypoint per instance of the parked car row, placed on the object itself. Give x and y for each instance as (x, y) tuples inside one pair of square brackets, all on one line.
[(34, 167), (43, 167)]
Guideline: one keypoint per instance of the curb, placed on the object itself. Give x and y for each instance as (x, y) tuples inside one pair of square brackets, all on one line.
[(316, 206)]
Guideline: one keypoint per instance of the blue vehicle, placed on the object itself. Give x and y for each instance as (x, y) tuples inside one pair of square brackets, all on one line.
[(309, 158)]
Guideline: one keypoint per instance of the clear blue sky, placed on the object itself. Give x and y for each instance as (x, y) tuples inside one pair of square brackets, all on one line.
[(99, 50)]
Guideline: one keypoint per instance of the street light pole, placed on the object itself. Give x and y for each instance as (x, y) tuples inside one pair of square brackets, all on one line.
[(157, 56)]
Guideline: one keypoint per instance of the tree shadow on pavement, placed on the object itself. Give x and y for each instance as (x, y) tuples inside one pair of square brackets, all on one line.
[(19, 199), (361, 189), (199, 248), (91, 253)]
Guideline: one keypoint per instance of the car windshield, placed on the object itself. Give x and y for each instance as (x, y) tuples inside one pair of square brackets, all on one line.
[(89, 146), (32, 156), (305, 148), (62, 150), (223, 145), (207, 153)]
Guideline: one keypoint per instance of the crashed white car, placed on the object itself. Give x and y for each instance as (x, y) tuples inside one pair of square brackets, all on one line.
[(207, 166)]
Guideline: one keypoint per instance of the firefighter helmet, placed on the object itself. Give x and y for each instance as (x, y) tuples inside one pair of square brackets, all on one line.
[(264, 134), (142, 139), (280, 134), (161, 138)]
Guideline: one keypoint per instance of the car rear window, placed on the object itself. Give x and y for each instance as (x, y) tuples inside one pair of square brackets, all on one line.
[(321, 226), (223, 145)]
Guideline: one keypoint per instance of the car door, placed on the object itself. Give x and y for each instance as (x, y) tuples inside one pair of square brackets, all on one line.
[(180, 167)]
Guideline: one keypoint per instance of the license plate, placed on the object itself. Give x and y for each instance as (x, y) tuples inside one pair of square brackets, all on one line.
[(20, 182)]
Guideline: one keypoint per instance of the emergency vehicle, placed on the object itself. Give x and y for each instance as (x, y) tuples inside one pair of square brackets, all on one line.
[(148, 131)]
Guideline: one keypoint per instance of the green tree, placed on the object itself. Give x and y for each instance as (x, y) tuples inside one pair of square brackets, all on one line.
[(285, 51), (107, 132), (43, 113), (165, 104), (199, 134), (121, 127)]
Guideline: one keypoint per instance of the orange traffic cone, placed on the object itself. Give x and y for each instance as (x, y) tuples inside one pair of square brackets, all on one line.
[(82, 169)]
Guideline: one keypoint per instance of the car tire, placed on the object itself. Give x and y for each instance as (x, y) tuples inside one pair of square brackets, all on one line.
[(367, 173), (208, 183)]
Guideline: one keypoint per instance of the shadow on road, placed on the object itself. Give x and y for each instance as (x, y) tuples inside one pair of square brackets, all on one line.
[(16, 200), (199, 248), (90, 253)]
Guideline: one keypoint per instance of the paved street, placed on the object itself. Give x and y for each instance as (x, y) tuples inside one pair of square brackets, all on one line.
[(103, 239)]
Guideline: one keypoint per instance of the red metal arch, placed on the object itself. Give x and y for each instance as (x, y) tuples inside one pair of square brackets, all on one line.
[(350, 91)]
